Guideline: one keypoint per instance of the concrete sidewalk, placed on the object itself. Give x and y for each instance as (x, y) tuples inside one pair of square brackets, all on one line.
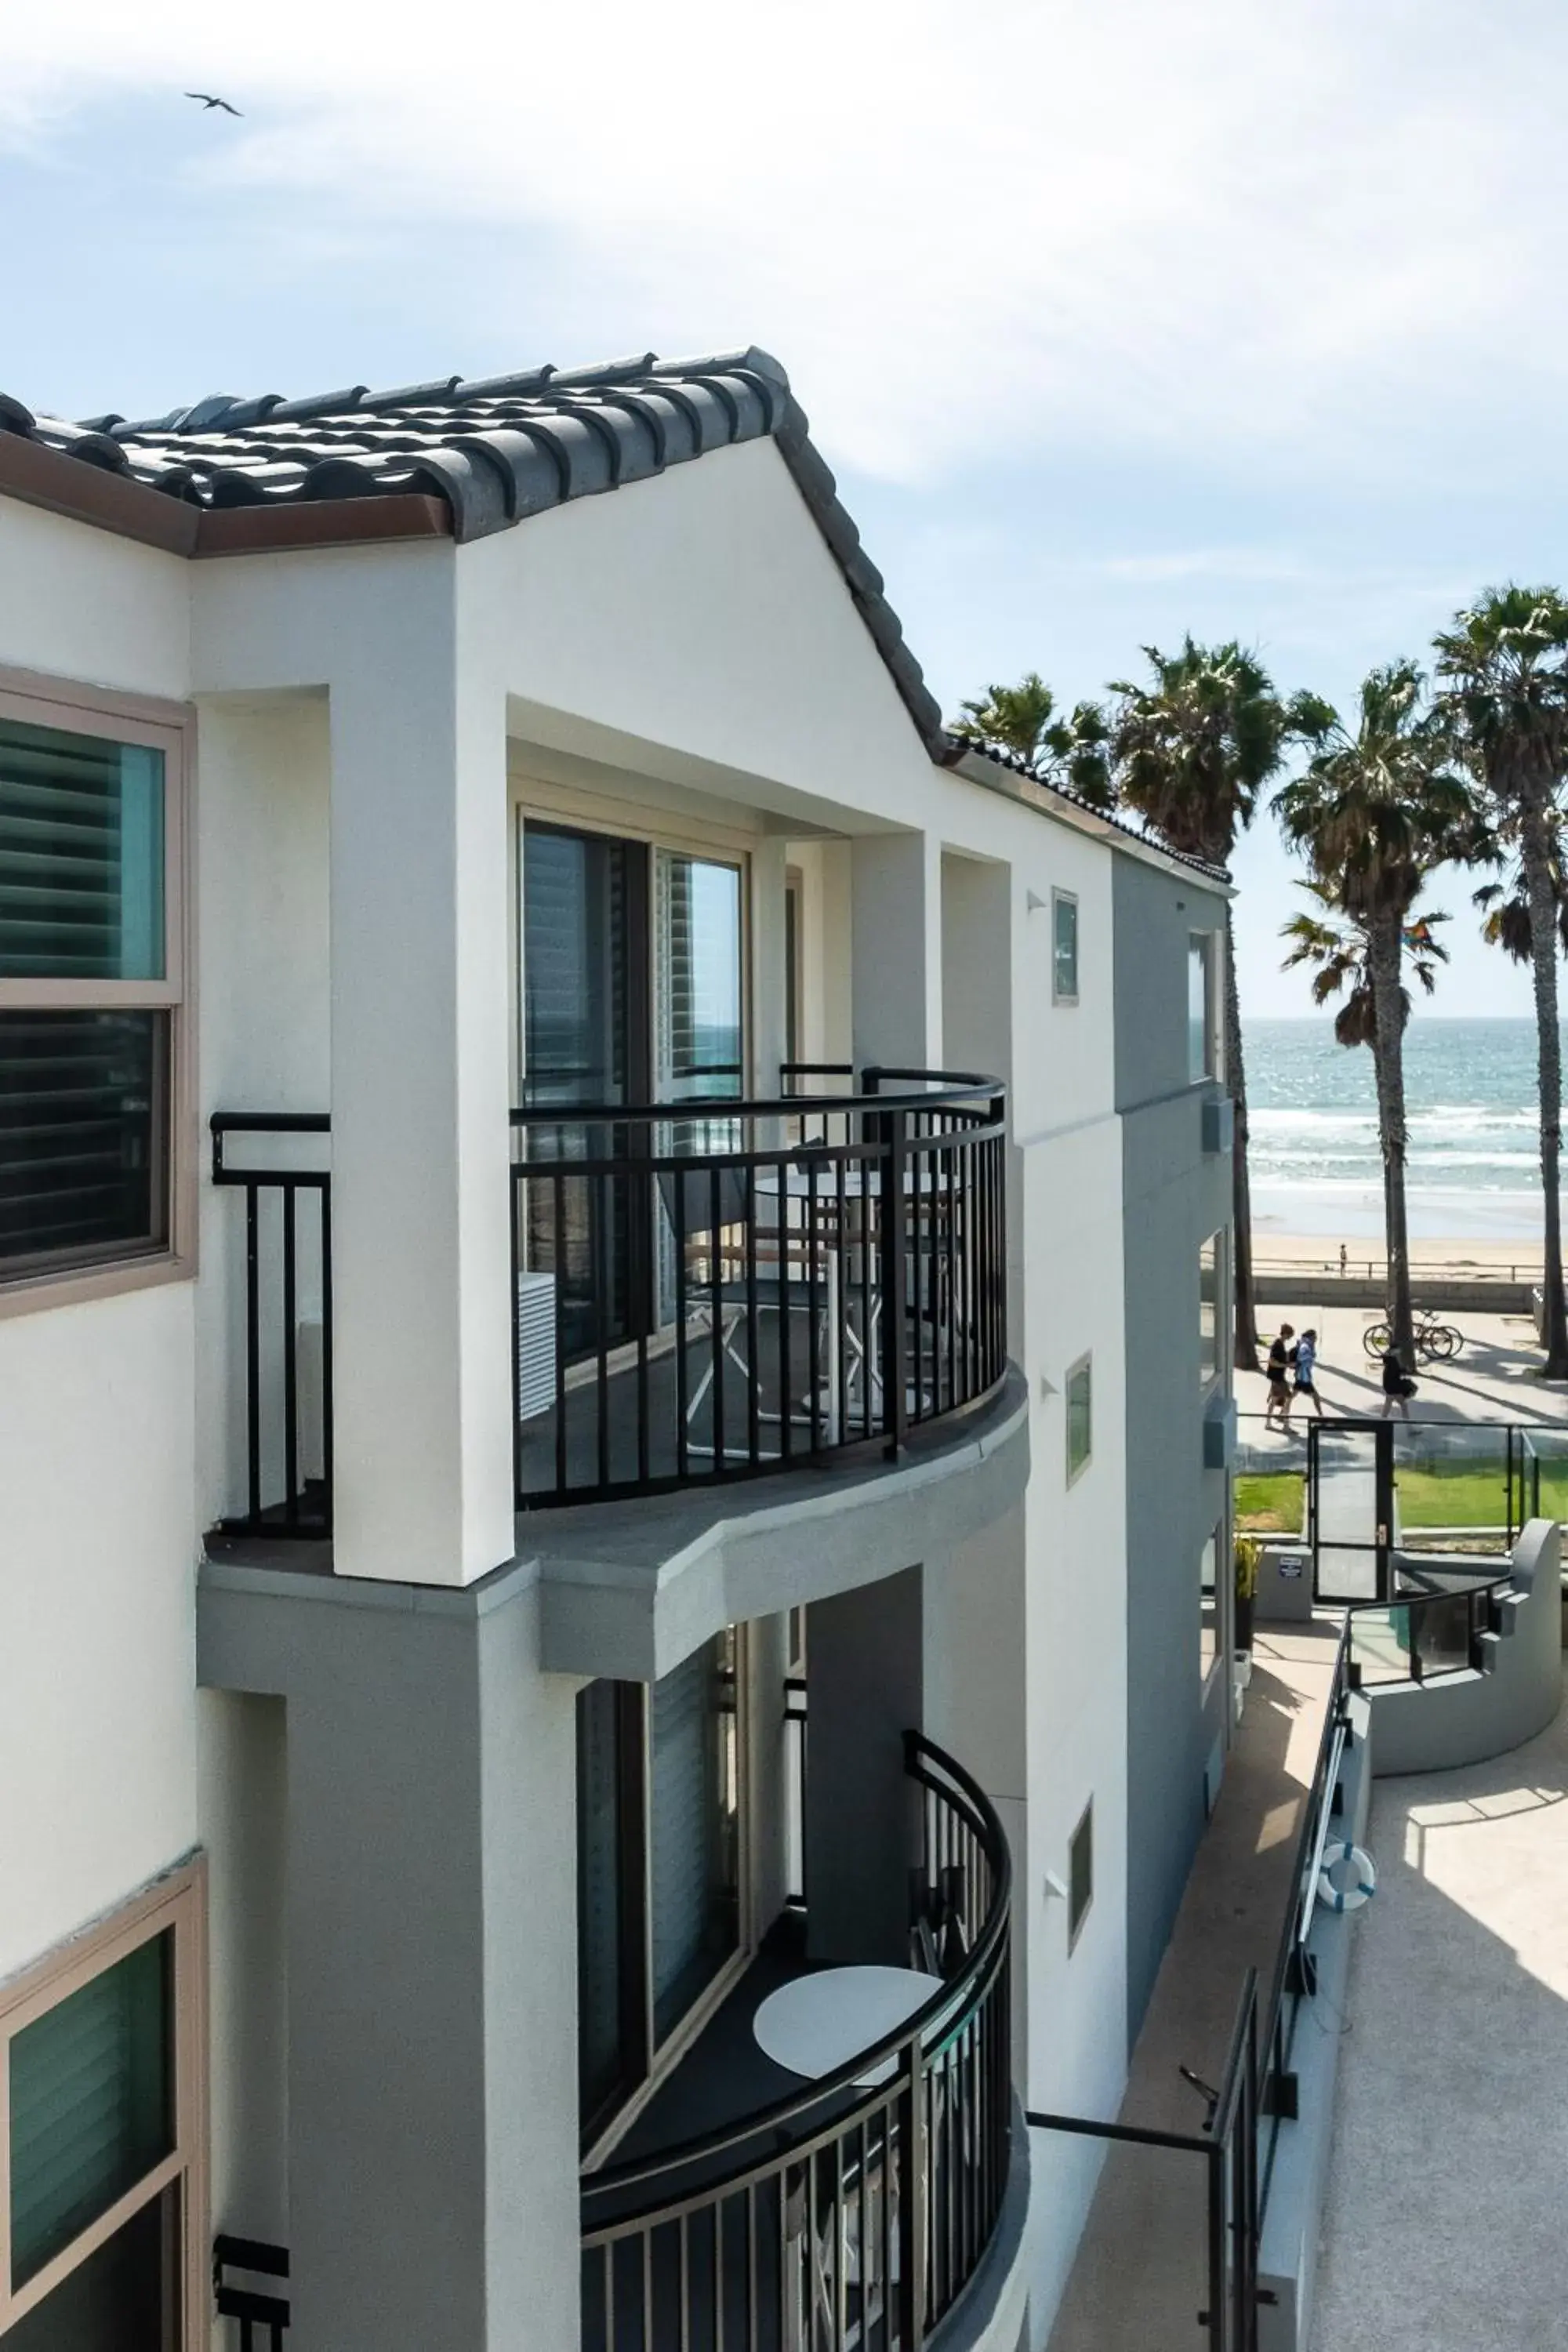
[(1492, 1380), (1449, 2180)]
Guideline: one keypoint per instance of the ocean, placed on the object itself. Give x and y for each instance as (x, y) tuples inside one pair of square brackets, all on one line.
[(1470, 1099)]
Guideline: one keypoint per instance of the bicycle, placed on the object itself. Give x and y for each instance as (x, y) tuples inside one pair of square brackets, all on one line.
[(1436, 1343)]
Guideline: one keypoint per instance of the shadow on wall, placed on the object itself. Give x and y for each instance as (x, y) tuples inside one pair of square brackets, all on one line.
[(1462, 1718)]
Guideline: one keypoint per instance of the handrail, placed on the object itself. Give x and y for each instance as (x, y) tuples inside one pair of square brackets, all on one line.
[(984, 1820), (951, 1090), (858, 2208)]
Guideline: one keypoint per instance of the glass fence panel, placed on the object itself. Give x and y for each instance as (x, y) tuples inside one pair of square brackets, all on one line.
[(1451, 1486)]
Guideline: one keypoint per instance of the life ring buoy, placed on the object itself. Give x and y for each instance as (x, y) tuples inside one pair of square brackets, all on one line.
[(1362, 1885)]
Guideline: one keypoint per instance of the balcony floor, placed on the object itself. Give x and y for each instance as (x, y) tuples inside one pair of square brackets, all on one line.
[(724, 2075)]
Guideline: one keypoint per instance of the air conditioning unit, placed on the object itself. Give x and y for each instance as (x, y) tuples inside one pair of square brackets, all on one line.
[(535, 1344)]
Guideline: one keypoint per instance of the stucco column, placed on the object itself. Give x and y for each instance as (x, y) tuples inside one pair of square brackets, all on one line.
[(431, 1943), (421, 1252), (865, 1663), (768, 963), (896, 962)]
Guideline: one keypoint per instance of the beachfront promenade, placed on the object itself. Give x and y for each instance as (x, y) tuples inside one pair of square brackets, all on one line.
[(1493, 1379)]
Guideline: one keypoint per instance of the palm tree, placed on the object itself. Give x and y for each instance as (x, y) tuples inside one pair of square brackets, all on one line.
[(1504, 668), (1193, 749), (1071, 753), (1506, 905), (1337, 947), (1376, 811)]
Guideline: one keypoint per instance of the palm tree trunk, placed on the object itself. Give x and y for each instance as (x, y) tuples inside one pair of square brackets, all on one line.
[(1385, 946), (1535, 857), (1246, 1320)]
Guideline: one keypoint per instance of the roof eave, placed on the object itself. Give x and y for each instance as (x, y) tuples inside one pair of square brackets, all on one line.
[(1013, 785)]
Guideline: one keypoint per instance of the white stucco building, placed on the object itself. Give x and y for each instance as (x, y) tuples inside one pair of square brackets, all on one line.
[(505, 1580)]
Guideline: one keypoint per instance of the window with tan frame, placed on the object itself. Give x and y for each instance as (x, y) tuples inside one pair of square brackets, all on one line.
[(96, 1157), (103, 2222)]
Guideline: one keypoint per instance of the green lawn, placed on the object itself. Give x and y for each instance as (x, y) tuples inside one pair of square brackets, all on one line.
[(1272, 1501), (1454, 1495)]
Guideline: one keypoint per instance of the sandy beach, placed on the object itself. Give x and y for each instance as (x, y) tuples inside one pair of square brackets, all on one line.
[(1517, 1260)]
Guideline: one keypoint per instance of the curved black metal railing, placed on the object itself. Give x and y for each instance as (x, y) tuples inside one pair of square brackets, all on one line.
[(715, 1287), (1437, 1623), (854, 2212), (704, 1289)]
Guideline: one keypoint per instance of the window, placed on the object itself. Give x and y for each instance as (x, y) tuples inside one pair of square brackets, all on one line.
[(92, 982), (1203, 1039), (1211, 1290), (1063, 948), (1080, 1873), (660, 1808), (101, 2230), (1079, 1417), (1208, 1604)]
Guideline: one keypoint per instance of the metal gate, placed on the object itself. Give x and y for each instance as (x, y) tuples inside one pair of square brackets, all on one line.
[(1350, 1509)]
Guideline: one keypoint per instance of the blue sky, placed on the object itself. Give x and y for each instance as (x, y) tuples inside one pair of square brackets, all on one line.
[(1114, 319)]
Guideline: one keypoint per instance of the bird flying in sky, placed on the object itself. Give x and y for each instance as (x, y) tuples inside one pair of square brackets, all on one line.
[(202, 100)]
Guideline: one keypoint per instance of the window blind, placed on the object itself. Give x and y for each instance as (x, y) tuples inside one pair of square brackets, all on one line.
[(81, 856), (82, 1116), (691, 1814), (602, 2054), (92, 2103)]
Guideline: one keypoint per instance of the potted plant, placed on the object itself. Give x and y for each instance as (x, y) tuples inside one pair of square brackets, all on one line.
[(1247, 1551)]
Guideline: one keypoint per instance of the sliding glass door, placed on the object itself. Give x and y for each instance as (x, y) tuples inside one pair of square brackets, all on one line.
[(660, 1804), (632, 993)]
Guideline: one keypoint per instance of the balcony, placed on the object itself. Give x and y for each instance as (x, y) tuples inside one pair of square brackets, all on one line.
[(854, 2212), (703, 1292)]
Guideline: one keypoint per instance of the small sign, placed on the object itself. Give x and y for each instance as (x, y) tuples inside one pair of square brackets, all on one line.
[(1291, 1569)]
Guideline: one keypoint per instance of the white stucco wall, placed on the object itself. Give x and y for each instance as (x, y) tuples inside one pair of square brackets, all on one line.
[(97, 1527)]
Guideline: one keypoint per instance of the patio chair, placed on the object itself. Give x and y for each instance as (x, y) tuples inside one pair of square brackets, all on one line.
[(707, 1214)]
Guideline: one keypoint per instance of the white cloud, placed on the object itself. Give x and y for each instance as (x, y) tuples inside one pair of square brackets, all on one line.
[(1026, 223)]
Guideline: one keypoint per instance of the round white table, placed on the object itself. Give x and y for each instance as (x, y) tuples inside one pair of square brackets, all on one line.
[(815, 2024)]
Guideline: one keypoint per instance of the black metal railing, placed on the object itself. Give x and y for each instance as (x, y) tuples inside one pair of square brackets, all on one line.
[(1460, 1486), (714, 1288), (261, 2315), (1213, 2174), (1293, 1977), (287, 1318), (854, 2212), (704, 1289)]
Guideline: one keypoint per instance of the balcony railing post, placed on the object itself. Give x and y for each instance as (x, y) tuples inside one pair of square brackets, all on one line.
[(896, 1261), (914, 2217)]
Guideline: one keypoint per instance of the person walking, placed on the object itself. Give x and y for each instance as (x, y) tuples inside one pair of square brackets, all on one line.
[(1306, 1372), (1398, 1388), (1279, 1414)]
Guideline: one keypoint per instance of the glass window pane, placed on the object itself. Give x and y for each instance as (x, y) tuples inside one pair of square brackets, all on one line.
[(81, 856), (696, 970), (1080, 1418), (1208, 1311), (92, 2105), (1201, 1059), (84, 1135), (123, 2298), (1063, 943), (695, 1814)]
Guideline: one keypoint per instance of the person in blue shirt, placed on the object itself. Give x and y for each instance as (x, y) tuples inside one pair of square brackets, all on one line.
[(1306, 1363)]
